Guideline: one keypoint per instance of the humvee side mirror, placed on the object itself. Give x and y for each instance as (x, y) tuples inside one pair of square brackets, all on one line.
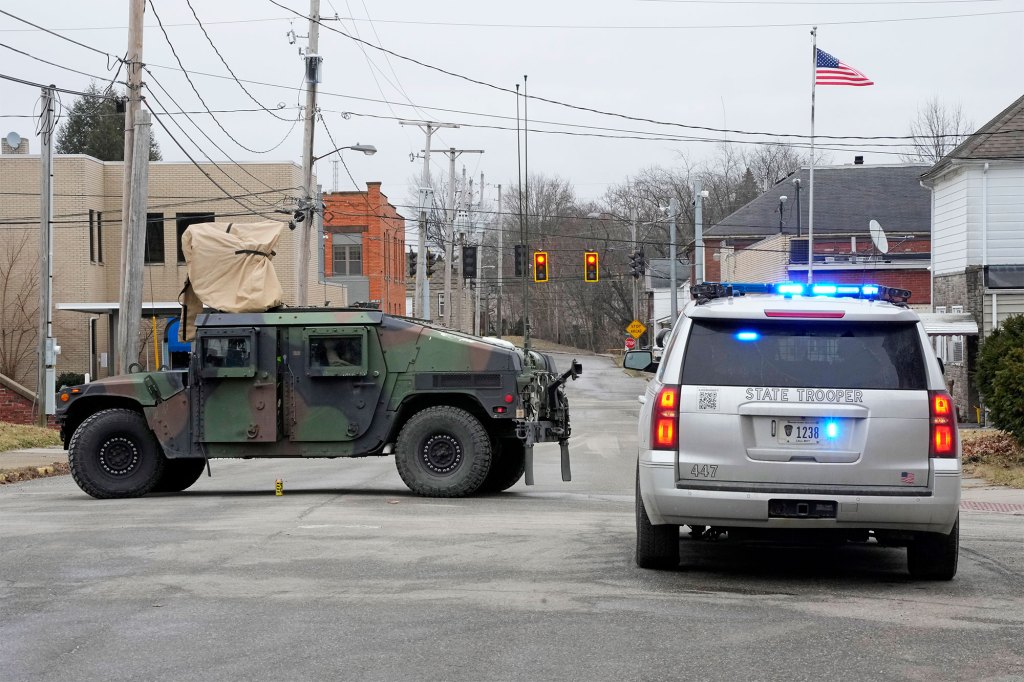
[(640, 360)]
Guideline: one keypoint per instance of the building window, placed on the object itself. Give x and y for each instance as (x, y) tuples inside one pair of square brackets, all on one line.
[(440, 304), (347, 254), (154, 238), (92, 236), (95, 236), (184, 220), (956, 350)]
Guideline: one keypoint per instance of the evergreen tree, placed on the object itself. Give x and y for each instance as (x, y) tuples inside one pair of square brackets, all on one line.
[(93, 126)]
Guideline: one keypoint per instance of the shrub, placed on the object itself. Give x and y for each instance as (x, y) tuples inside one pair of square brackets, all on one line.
[(1000, 375), (994, 349), (69, 379)]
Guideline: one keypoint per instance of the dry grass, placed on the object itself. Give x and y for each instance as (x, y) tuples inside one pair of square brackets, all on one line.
[(994, 456), (28, 473), (542, 345), (17, 436)]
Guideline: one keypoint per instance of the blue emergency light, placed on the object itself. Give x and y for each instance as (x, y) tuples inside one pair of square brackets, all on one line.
[(708, 291)]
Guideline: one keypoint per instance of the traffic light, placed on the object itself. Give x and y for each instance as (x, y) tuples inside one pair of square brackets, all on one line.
[(520, 260), (410, 261), (469, 262), (590, 266), (540, 266), (432, 261), (637, 264)]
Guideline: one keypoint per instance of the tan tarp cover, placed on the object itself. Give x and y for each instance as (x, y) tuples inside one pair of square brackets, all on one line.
[(228, 269)]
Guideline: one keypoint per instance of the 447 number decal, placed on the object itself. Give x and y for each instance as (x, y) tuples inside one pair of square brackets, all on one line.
[(703, 470)]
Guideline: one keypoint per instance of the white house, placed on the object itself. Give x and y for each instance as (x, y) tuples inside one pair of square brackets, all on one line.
[(978, 240)]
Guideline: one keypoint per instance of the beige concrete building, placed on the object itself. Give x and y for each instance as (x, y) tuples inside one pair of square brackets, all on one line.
[(87, 248)]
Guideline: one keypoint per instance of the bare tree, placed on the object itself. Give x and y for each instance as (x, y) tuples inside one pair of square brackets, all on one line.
[(937, 129), (770, 163), (19, 308)]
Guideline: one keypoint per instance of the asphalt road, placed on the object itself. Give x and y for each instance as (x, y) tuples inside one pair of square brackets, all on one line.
[(349, 576)]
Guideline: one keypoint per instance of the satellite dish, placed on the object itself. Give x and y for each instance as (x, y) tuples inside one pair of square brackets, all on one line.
[(878, 237), (13, 139)]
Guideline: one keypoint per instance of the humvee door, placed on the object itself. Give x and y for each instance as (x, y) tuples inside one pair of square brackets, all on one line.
[(236, 391), (334, 379)]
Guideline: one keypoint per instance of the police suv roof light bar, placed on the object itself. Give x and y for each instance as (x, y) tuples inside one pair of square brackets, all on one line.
[(708, 291)]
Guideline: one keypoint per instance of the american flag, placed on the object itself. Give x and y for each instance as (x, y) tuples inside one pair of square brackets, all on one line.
[(831, 71), (907, 477)]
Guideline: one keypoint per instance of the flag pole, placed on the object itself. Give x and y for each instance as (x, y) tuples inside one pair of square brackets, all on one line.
[(810, 207)]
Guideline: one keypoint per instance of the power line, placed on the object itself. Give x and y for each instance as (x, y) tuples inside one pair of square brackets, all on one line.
[(228, 67), (66, 90), (203, 133), (59, 66), (574, 106), (54, 33), (174, 52)]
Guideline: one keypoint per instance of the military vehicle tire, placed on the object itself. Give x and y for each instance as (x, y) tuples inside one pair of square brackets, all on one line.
[(443, 451), (179, 474), (114, 454), (657, 547), (507, 467)]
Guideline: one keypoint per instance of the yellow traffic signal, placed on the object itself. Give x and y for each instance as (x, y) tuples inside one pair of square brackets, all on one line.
[(540, 266), (590, 266)]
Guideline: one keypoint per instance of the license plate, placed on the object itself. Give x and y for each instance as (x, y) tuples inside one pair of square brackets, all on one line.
[(800, 432)]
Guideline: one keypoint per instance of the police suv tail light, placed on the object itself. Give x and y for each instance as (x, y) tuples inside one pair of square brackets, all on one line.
[(943, 425), (665, 419)]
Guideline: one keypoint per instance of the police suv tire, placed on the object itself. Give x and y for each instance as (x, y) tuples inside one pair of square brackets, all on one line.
[(507, 466), (443, 451), (179, 474), (113, 454), (657, 547), (933, 556)]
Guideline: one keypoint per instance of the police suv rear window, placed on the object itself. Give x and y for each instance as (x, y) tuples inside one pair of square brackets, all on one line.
[(804, 355)]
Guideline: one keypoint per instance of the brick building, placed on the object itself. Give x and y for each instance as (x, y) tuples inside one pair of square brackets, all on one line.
[(87, 249), (363, 247), (760, 243)]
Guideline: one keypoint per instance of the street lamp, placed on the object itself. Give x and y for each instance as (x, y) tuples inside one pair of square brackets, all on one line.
[(367, 149), (782, 203), (796, 184)]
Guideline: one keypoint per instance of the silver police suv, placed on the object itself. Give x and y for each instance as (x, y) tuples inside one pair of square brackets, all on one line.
[(787, 408)]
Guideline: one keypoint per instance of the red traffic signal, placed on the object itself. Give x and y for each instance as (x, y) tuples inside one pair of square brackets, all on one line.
[(540, 266), (590, 266)]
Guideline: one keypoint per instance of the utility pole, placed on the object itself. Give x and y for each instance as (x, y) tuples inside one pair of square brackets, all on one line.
[(421, 297), (312, 71), (133, 62), (46, 364), (698, 231), (460, 281), (673, 211), (501, 260), (449, 237), (636, 280), (134, 255)]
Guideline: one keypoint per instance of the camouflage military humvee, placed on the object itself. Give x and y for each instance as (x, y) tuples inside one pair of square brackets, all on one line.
[(460, 413)]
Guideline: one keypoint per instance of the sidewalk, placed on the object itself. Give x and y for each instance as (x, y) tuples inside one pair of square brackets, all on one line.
[(32, 457)]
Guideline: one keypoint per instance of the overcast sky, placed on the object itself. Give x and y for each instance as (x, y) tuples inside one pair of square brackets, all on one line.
[(724, 65)]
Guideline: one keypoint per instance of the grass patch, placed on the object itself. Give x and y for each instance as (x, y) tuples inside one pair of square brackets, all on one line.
[(994, 456), (17, 436), (543, 345), (28, 473)]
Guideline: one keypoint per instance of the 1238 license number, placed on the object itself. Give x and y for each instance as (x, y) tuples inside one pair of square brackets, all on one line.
[(703, 470)]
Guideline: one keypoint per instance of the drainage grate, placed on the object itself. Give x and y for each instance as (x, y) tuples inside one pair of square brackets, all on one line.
[(1003, 507)]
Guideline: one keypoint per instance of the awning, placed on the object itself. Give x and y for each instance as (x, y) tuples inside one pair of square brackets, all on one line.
[(160, 308), (949, 324)]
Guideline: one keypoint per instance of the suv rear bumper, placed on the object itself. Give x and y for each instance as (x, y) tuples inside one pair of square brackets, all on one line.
[(934, 510)]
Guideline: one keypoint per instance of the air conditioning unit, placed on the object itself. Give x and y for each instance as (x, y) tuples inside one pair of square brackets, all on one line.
[(830, 259)]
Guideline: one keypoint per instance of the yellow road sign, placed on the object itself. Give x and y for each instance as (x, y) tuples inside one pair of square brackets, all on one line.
[(636, 329)]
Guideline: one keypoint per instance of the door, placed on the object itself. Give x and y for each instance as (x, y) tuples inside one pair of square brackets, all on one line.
[(236, 385), (336, 375)]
